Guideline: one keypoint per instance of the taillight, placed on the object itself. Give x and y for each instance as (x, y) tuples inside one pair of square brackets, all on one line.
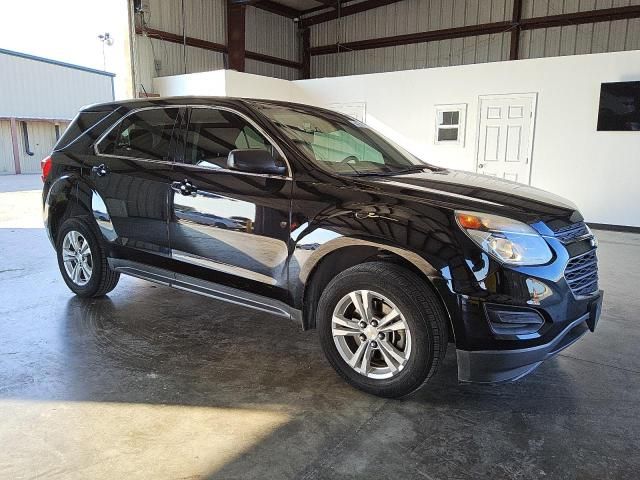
[(45, 166)]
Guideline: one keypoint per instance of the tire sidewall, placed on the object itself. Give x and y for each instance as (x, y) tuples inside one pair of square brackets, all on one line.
[(419, 364), (96, 255)]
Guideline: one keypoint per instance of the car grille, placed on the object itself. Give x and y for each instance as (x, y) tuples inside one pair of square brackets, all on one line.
[(582, 273), (571, 232)]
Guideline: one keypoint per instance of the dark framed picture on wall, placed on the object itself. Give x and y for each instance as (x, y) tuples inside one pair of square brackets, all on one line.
[(619, 107)]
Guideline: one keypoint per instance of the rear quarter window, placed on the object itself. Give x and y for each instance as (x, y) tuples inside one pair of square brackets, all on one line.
[(84, 122)]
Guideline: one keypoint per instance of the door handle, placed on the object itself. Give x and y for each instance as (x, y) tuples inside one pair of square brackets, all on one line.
[(185, 187), (101, 170), (481, 165)]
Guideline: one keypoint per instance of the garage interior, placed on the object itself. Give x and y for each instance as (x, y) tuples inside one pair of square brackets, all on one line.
[(150, 382)]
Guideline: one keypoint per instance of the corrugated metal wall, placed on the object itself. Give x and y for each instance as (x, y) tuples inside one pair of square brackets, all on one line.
[(6, 148), (42, 138), (412, 16), (22, 92), (274, 35), (171, 61), (204, 19), (266, 33), (578, 39)]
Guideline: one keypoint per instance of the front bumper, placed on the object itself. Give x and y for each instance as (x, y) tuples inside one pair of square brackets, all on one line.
[(494, 366)]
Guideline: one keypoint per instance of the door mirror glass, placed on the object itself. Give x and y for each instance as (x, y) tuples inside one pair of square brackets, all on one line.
[(254, 161)]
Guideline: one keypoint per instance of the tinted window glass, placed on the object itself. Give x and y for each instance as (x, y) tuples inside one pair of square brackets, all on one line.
[(146, 134), (212, 134), (339, 143)]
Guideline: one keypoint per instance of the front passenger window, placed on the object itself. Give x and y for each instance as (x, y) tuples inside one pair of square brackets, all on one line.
[(212, 134)]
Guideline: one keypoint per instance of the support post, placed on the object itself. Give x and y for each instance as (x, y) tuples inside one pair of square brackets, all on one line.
[(235, 36), (13, 125), (306, 54), (514, 52)]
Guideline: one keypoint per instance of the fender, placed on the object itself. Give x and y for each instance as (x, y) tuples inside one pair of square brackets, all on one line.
[(72, 189), (312, 244)]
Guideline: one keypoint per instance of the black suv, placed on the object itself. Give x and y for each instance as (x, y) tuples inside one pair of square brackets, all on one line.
[(308, 214)]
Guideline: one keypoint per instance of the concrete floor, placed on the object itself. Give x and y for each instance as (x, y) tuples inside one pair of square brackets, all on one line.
[(156, 383)]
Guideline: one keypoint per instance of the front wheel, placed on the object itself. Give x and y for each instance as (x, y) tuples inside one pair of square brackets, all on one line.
[(82, 260), (382, 328)]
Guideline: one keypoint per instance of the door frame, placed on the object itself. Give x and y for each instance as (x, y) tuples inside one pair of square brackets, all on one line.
[(532, 128)]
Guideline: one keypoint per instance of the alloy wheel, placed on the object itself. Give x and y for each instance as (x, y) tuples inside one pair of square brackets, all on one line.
[(371, 334), (77, 258)]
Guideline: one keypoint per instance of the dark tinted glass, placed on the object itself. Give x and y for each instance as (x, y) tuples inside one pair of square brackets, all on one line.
[(450, 118), (619, 106), (212, 134), (447, 134), (146, 134)]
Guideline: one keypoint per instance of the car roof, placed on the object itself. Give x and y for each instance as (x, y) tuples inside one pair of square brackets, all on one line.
[(191, 100)]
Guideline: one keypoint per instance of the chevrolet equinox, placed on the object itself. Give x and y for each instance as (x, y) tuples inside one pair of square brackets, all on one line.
[(307, 214)]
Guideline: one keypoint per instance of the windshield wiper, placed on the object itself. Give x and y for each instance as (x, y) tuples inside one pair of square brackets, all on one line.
[(412, 168)]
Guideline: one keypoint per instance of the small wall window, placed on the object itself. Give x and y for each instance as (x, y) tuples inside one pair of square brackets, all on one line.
[(450, 122)]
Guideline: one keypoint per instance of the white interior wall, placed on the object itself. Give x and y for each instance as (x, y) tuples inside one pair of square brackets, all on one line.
[(229, 83), (204, 83), (597, 170)]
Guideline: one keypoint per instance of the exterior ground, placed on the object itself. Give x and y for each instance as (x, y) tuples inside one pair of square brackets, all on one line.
[(151, 382)]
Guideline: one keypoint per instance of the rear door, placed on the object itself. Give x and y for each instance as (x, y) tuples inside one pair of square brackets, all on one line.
[(132, 173), (226, 226)]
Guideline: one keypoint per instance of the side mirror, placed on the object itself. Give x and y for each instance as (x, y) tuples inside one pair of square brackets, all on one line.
[(254, 161)]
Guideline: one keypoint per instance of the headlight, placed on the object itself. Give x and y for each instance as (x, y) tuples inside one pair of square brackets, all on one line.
[(509, 241)]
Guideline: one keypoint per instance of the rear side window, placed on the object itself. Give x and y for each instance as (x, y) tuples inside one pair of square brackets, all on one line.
[(146, 134), (83, 123), (212, 134)]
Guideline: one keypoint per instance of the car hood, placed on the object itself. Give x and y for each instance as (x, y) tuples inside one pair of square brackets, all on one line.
[(459, 189)]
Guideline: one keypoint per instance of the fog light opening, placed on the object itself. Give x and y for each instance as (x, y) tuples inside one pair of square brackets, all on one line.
[(538, 291)]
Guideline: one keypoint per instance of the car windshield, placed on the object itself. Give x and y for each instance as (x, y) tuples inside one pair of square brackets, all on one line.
[(340, 144)]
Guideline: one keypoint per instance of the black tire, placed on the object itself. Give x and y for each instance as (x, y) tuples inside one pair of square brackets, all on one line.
[(103, 279), (422, 311)]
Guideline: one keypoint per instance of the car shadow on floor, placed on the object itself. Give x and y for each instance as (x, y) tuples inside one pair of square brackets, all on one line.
[(147, 344), (207, 353)]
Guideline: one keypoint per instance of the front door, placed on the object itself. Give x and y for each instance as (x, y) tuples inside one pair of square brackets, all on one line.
[(226, 226), (505, 136)]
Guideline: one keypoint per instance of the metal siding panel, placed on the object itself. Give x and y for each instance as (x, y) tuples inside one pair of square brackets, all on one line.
[(270, 70), (204, 19), (23, 93), (633, 35), (412, 16), (42, 138), (171, 60), (271, 34), (600, 39), (552, 42), (6, 148), (443, 53)]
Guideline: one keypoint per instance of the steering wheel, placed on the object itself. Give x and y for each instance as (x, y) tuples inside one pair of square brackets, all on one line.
[(350, 158)]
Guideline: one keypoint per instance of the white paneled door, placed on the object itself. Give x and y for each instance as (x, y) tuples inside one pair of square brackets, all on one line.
[(505, 136)]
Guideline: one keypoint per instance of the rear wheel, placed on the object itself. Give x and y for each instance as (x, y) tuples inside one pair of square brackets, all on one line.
[(82, 261), (382, 328)]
